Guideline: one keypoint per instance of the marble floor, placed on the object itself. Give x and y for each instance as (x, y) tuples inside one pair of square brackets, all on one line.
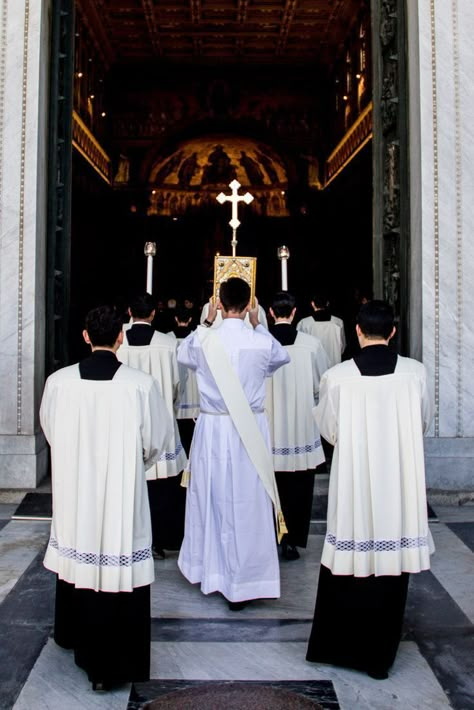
[(196, 638)]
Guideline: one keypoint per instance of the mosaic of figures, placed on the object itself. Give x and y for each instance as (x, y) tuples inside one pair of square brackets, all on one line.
[(193, 175)]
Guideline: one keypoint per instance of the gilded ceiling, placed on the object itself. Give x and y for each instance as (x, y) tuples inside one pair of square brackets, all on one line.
[(252, 31)]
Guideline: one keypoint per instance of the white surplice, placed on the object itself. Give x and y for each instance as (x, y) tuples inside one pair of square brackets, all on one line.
[(292, 393), (103, 435), (377, 513), (262, 317), (159, 360), (338, 321), (187, 402), (229, 543), (329, 333)]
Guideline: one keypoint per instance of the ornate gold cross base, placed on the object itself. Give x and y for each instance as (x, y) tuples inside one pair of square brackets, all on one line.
[(242, 267)]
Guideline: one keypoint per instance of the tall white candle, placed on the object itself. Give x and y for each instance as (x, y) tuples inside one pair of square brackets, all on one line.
[(284, 275), (150, 252), (284, 254), (149, 275)]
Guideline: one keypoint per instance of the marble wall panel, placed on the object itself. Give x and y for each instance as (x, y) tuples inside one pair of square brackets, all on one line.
[(466, 80), (24, 56), (446, 109)]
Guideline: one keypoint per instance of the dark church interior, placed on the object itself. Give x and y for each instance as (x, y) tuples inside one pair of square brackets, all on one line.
[(173, 100)]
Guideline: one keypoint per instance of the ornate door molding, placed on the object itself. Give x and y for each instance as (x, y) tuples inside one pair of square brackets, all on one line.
[(59, 183), (391, 208)]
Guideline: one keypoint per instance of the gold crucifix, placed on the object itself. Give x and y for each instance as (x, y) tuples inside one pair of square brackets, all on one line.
[(226, 267), (234, 198)]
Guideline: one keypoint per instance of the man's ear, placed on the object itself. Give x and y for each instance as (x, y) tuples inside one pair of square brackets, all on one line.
[(129, 312), (272, 313), (394, 330), (119, 340), (152, 314), (85, 335), (293, 313), (358, 330)]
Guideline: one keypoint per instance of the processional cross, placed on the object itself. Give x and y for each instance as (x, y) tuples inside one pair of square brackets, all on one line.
[(234, 198)]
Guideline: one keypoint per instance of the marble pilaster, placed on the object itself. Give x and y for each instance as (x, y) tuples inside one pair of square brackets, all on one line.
[(24, 55), (442, 154)]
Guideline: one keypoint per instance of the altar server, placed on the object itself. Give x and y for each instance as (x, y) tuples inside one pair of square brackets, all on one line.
[(329, 329), (155, 353), (106, 423), (229, 542), (374, 409), (292, 393), (187, 403)]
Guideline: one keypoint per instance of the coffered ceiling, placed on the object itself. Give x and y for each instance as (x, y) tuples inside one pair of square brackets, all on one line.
[(212, 31)]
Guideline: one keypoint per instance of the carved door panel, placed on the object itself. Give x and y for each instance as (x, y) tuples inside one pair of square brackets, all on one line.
[(59, 183), (391, 169)]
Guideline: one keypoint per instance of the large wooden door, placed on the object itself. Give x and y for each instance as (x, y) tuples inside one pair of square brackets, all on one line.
[(391, 208)]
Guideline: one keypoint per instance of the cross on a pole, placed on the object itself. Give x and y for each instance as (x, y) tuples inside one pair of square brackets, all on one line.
[(234, 198)]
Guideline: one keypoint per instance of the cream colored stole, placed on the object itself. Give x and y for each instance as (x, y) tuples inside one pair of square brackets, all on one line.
[(243, 417)]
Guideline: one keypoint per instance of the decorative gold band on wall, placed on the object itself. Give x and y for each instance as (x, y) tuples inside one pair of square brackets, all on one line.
[(21, 220), (459, 225), (89, 147), (358, 135), (434, 93)]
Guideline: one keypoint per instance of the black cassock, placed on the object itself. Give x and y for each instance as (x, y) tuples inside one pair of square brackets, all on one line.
[(358, 620), (295, 488), (109, 632), (166, 495)]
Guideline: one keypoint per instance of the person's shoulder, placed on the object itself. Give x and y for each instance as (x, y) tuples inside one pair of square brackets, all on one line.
[(308, 341), (162, 340), (342, 371), (133, 376), (71, 372), (409, 364)]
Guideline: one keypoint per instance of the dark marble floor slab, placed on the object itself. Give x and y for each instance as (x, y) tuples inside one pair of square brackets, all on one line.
[(432, 516), (35, 505), (3, 523), (319, 509), (465, 531), (230, 631), (320, 691), (26, 619), (445, 637)]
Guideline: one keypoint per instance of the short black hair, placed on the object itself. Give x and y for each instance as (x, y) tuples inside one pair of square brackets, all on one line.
[(142, 305), (376, 319), (320, 299), (283, 304), (183, 314), (103, 325), (234, 295)]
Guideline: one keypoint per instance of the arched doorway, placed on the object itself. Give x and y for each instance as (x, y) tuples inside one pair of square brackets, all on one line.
[(300, 113)]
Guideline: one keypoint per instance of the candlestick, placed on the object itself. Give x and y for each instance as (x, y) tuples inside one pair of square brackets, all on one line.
[(284, 254), (150, 252)]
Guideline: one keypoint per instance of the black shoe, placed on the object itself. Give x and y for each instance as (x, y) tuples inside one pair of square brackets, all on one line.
[(158, 553), (378, 674), (237, 606), (289, 552)]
